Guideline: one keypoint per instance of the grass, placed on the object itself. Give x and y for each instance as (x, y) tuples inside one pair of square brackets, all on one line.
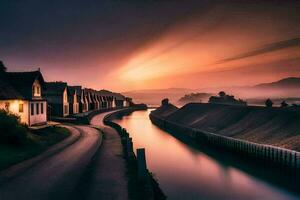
[(37, 142)]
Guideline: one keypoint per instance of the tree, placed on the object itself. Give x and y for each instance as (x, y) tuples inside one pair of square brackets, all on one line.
[(2, 67), (284, 104), (165, 102), (269, 103), (222, 94)]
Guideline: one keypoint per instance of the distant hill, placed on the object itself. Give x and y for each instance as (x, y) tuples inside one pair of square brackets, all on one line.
[(154, 96), (291, 82), (281, 89)]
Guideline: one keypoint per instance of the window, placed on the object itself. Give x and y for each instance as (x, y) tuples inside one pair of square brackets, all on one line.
[(32, 109), (37, 89), (66, 108), (21, 108), (37, 108), (7, 106), (42, 108)]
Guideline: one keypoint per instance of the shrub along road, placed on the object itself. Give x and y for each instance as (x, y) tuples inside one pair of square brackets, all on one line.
[(56, 174)]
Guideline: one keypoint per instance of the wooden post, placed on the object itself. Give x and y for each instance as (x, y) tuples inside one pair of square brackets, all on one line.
[(280, 157), (295, 160), (129, 148), (285, 158), (142, 166)]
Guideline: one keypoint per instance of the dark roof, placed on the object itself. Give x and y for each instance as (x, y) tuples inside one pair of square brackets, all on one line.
[(77, 88), (18, 85), (54, 92), (7, 91), (105, 93), (55, 88), (72, 91), (119, 96)]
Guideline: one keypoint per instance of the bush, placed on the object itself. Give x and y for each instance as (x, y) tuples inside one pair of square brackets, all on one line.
[(269, 103), (11, 130), (165, 102)]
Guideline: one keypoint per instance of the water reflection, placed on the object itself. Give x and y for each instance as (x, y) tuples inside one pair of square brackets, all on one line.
[(187, 173)]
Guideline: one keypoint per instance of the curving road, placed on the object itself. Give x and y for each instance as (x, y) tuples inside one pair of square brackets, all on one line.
[(109, 180), (58, 174)]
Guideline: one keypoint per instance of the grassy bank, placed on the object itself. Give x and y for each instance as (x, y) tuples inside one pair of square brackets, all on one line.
[(273, 126), (37, 141)]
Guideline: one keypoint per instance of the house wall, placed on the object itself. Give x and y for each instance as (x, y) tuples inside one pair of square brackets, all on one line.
[(104, 104), (127, 103), (97, 103), (65, 103), (55, 109), (85, 104), (114, 103), (74, 107), (39, 115), (13, 107), (119, 103)]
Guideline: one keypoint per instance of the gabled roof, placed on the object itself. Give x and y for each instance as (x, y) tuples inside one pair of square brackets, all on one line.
[(19, 84), (7, 91), (119, 96), (54, 92), (55, 88), (72, 92), (105, 93), (77, 88)]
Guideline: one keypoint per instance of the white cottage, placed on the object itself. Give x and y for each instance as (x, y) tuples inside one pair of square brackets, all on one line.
[(21, 94), (73, 100)]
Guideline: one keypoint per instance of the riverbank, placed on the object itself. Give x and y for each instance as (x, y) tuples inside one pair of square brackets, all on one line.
[(194, 120), (147, 188), (273, 126), (187, 171)]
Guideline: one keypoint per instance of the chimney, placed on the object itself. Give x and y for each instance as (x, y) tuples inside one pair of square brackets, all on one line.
[(2, 67)]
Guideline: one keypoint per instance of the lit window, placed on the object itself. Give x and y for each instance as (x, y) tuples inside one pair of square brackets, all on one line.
[(21, 108), (7, 106), (66, 108), (37, 89), (32, 109)]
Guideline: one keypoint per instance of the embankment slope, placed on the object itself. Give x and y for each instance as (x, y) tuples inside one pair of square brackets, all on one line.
[(275, 126)]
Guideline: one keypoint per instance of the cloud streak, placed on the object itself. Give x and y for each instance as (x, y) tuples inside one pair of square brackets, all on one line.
[(265, 49)]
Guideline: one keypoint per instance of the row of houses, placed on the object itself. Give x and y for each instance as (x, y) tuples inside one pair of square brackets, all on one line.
[(29, 96), (67, 100)]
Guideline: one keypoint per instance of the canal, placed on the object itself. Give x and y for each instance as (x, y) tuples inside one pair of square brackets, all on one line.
[(184, 172)]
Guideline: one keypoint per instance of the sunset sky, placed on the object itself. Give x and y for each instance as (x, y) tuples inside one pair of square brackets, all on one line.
[(126, 45)]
